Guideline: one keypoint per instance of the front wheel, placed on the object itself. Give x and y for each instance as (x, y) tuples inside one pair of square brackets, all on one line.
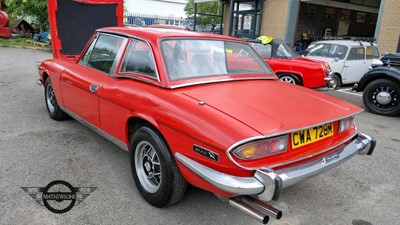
[(382, 97), (154, 169), (289, 78), (54, 110)]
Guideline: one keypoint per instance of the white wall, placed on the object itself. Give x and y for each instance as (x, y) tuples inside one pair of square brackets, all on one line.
[(157, 7)]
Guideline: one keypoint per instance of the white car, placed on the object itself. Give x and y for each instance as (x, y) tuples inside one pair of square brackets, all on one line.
[(349, 59)]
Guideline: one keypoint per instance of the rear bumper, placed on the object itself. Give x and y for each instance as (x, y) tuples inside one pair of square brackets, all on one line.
[(267, 184)]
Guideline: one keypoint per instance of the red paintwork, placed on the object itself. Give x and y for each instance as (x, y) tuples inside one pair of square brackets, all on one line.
[(234, 110), (4, 20), (310, 71)]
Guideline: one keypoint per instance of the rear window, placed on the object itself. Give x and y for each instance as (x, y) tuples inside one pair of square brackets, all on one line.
[(200, 58)]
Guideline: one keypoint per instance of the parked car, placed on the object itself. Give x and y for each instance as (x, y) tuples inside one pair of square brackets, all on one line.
[(349, 59), (381, 86), (290, 67), (190, 108)]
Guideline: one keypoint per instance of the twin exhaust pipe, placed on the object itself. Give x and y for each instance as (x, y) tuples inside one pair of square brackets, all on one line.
[(255, 208)]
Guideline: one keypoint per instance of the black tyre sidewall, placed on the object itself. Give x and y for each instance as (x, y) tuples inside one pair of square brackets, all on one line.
[(169, 169), (57, 114), (337, 80), (367, 97)]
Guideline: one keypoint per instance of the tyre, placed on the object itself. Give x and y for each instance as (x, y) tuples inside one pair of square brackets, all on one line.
[(382, 97), (54, 110), (289, 78), (154, 169), (335, 82)]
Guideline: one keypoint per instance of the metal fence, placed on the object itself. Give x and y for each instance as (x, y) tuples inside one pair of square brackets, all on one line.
[(146, 20)]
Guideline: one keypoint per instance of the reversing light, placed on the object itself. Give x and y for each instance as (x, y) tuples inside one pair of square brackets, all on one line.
[(346, 123), (260, 149)]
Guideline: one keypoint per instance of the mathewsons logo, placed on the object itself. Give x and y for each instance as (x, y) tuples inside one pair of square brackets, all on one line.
[(59, 196)]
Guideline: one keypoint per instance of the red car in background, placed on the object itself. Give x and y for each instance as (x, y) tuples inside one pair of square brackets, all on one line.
[(290, 67)]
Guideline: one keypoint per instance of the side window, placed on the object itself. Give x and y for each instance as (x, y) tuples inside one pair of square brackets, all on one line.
[(103, 53), (139, 59), (372, 52), (356, 54)]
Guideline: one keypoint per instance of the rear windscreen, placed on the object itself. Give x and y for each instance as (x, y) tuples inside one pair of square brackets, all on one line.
[(77, 22)]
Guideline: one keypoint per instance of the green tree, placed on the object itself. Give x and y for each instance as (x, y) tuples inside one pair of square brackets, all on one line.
[(34, 8), (213, 7)]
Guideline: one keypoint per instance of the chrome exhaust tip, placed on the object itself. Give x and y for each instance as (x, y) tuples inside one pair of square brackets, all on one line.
[(38, 82), (255, 208)]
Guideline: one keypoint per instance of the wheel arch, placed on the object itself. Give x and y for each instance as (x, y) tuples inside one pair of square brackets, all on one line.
[(134, 122), (298, 75), (44, 77), (372, 76), (340, 77)]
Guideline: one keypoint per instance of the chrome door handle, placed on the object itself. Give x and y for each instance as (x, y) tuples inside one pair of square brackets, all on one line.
[(93, 88)]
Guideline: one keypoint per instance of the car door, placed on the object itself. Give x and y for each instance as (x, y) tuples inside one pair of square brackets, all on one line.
[(355, 65), (82, 82)]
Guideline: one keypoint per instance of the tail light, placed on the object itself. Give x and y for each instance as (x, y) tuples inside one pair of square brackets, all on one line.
[(260, 149), (346, 123)]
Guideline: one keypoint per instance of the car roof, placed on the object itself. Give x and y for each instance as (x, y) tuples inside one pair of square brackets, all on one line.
[(155, 34), (351, 43)]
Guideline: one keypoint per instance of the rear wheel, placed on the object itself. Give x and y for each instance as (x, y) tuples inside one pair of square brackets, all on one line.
[(382, 97), (54, 110), (154, 169), (289, 78)]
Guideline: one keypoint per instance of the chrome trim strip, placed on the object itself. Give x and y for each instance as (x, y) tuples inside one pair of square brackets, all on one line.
[(257, 138), (223, 181), (110, 138), (219, 81)]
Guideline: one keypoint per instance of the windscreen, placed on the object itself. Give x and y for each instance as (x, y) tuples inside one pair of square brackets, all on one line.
[(327, 50)]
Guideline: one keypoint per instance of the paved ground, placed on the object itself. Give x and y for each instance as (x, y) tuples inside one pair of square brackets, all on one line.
[(35, 150)]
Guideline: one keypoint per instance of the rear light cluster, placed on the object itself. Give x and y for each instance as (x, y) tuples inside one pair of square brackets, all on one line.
[(326, 68), (346, 123), (264, 148)]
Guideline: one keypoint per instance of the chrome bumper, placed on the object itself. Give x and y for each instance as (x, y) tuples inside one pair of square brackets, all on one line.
[(267, 184)]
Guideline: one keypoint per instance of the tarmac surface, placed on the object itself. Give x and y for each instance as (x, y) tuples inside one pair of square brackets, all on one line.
[(35, 150)]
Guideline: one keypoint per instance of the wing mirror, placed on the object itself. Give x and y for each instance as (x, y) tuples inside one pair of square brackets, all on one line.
[(336, 59)]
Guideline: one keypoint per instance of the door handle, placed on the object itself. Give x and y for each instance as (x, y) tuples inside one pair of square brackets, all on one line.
[(93, 88)]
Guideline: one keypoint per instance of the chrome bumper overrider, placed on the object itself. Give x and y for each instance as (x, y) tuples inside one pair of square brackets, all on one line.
[(266, 184)]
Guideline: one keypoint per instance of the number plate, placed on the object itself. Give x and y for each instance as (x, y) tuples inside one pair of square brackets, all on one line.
[(311, 135)]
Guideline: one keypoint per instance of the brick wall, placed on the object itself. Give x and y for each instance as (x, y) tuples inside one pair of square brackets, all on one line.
[(274, 18), (389, 33)]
